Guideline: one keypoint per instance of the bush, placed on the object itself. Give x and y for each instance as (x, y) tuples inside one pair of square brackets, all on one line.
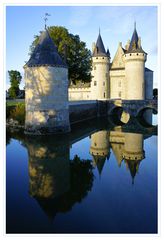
[(18, 113)]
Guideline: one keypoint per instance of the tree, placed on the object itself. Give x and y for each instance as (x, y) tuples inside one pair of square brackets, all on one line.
[(73, 50), (15, 79), (155, 93)]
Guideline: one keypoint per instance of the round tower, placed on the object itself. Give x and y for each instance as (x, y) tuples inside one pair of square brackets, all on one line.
[(135, 59), (133, 148), (100, 71), (100, 148), (46, 90), (133, 152)]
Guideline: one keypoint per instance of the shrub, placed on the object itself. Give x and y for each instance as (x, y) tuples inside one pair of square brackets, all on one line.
[(18, 113)]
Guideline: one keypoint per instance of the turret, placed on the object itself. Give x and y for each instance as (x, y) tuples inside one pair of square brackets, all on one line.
[(133, 152), (100, 148), (100, 71), (46, 88), (135, 59)]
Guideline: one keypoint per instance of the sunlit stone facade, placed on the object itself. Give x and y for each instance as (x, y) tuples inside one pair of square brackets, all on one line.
[(126, 77), (46, 84)]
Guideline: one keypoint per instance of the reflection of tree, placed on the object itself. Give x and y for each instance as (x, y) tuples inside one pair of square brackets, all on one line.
[(8, 137), (81, 181)]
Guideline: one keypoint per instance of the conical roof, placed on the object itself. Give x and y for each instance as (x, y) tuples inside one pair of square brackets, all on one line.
[(99, 161), (99, 48), (133, 167), (45, 53), (134, 43)]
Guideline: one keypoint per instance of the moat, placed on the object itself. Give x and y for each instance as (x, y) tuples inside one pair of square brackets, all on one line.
[(100, 178)]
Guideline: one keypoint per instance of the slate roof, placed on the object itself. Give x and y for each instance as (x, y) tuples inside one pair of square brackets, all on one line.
[(99, 48), (148, 70), (45, 53), (134, 47)]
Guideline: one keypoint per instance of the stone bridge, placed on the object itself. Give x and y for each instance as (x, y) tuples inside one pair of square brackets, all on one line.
[(134, 108)]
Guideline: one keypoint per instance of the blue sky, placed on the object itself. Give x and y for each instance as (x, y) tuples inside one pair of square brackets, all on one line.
[(116, 24)]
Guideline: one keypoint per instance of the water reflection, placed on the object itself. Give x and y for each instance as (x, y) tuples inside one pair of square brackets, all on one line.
[(57, 182)]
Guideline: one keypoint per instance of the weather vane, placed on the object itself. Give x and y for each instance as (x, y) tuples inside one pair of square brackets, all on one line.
[(45, 18)]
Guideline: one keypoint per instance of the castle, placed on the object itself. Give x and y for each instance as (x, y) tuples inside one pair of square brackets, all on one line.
[(126, 77), (47, 95)]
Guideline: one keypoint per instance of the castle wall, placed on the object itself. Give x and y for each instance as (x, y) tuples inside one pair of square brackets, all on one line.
[(76, 94), (117, 84), (148, 84), (46, 99)]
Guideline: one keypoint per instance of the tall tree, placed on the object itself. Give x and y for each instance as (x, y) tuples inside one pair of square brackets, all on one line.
[(73, 50), (15, 79)]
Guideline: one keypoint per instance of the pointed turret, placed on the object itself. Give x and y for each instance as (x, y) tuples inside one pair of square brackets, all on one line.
[(134, 59), (45, 53), (100, 71), (99, 161), (108, 53), (133, 167), (99, 48), (135, 45)]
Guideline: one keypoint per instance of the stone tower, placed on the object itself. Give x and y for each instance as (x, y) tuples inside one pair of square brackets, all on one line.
[(133, 152), (135, 59), (100, 148), (46, 88), (100, 71)]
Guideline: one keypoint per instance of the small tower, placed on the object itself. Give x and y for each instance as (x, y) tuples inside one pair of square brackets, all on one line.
[(135, 59), (133, 152), (46, 87), (100, 71), (100, 149)]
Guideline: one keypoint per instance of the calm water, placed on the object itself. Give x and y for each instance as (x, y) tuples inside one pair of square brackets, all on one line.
[(98, 179)]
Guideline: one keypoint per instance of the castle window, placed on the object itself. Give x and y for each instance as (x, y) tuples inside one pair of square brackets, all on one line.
[(94, 68), (95, 83), (119, 83), (104, 95), (119, 94), (130, 54), (97, 58), (137, 54), (102, 57), (103, 83)]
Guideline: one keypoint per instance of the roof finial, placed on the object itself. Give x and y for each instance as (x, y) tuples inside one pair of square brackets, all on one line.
[(45, 18), (99, 30), (134, 25)]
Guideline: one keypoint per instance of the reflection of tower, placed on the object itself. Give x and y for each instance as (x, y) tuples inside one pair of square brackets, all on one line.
[(117, 139), (48, 168), (133, 152), (100, 148)]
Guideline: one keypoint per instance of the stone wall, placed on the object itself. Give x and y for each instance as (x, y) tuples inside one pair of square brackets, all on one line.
[(46, 99), (83, 110), (77, 94)]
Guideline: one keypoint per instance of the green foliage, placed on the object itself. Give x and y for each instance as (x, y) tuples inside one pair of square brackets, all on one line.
[(155, 92), (16, 113), (71, 48), (15, 79)]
